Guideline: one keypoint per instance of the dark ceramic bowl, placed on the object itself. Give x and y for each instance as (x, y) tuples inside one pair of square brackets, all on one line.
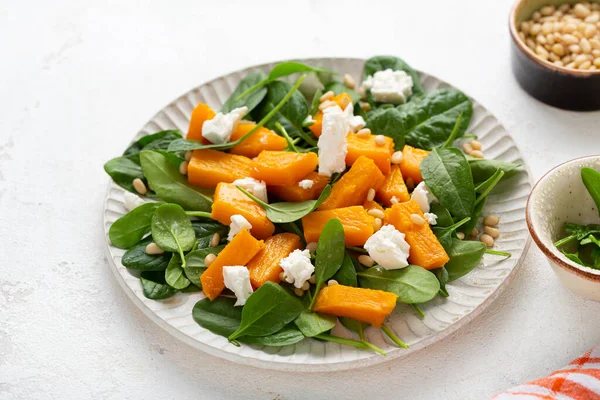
[(557, 86)]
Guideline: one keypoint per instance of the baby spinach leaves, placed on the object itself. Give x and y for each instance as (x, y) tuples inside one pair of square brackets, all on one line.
[(381, 63), (288, 335), (137, 258), (587, 249), (133, 226), (412, 284), (312, 324), (287, 211), (591, 180), (170, 185), (174, 274), (252, 100), (218, 316), (447, 174), (483, 168), (205, 231), (388, 122), (123, 170), (172, 230), (464, 255), (154, 286), (195, 265), (442, 275)]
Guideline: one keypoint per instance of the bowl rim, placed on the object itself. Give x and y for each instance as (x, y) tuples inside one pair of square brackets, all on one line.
[(568, 266), (532, 56)]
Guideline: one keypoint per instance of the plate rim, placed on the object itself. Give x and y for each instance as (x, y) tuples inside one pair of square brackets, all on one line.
[(303, 366)]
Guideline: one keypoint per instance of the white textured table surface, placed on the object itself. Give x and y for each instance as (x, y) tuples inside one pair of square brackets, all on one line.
[(79, 78)]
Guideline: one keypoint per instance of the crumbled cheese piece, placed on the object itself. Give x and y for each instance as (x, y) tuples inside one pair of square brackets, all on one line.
[(356, 123), (132, 201), (237, 279), (389, 86), (388, 248), (218, 130), (255, 187), (431, 218), (332, 142), (423, 196), (238, 222), (297, 267), (306, 184)]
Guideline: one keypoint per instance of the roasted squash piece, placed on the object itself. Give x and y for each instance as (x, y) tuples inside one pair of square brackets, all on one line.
[(342, 100), (209, 167), (358, 225), (296, 193), (366, 305), (283, 168), (353, 187), (264, 266), (411, 163), (365, 145), (242, 248), (200, 114), (371, 205), (393, 186), (261, 139), (229, 200), (425, 249)]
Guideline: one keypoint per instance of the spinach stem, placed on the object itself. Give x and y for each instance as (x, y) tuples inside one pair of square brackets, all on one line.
[(498, 253), (179, 250), (454, 133), (469, 136), (458, 224), (253, 88), (357, 249), (374, 348), (393, 337), (418, 310), (252, 197), (350, 342), (361, 332), (317, 290), (489, 188), (200, 214), (562, 241), (287, 137)]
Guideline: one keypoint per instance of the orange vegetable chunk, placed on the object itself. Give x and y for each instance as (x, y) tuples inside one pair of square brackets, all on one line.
[(208, 168), (358, 225), (296, 193), (229, 200), (365, 145), (342, 100), (283, 168), (411, 163), (353, 187), (261, 139), (264, 266), (365, 305), (393, 186), (200, 114), (370, 205), (239, 251), (425, 249)]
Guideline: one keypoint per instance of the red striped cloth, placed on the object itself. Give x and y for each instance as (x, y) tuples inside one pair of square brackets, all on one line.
[(580, 380)]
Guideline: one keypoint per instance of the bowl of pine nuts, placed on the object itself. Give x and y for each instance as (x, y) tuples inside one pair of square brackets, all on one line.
[(556, 52)]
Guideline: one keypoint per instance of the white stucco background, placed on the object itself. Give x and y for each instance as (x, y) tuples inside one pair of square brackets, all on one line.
[(79, 78)]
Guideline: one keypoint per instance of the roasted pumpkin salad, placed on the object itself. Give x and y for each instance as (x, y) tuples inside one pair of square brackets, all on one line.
[(293, 214)]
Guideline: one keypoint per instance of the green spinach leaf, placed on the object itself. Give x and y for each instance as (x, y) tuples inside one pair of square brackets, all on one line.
[(172, 230), (338, 88), (252, 99), (288, 335), (315, 103), (381, 63), (442, 275), (590, 239), (154, 286), (312, 324), (464, 255), (573, 257), (137, 258), (174, 274), (195, 266), (591, 180), (482, 169), (444, 218), (388, 122), (155, 141), (123, 170), (133, 226), (205, 231), (412, 284), (218, 316), (346, 275)]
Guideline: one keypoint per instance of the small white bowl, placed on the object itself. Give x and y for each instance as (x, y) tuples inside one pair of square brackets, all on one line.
[(560, 197)]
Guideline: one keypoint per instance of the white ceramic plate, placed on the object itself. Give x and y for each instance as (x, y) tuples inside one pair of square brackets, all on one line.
[(469, 296)]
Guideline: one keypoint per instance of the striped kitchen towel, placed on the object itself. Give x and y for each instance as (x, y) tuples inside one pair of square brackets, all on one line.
[(580, 380)]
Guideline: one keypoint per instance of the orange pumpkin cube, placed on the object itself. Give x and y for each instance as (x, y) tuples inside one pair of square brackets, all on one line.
[(358, 225), (282, 168), (366, 305), (200, 114), (372, 205), (411, 163), (264, 266), (342, 100), (297, 193), (242, 248), (393, 186), (229, 200), (208, 168), (261, 139), (353, 187), (365, 145), (425, 249)]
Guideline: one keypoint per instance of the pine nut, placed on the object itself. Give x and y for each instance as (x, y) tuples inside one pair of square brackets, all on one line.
[(550, 39), (531, 44), (595, 53), (380, 140), (595, 44), (371, 195), (313, 279), (139, 186), (332, 282), (536, 16), (468, 148), (535, 29), (564, 7), (477, 154), (559, 63), (567, 59), (215, 240), (153, 249), (376, 213), (547, 10), (553, 57), (364, 132), (327, 96), (590, 31), (282, 276), (541, 39), (460, 235), (417, 219), (558, 49), (580, 59), (298, 292), (597, 62), (585, 65), (209, 259), (377, 224), (188, 155), (394, 199), (366, 260), (522, 36), (581, 11), (491, 220), (183, 168), (365, 106), (487, 240), (568, 28), (569, 39), (327, 104), (311, 246), (474, 232), (349, 81), (397, 157), (493, 232), (476, 144), (305, 286), (525, 27), (570, 65), (592, 19)]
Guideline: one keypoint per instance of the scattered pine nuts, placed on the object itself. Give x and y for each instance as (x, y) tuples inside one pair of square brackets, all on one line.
[(153, 249), (305, 286), (477, 154), (139, 186), (332, 282), (376, 213), (183, 168), (327, 104), (313, 279), (299, 292), (486, 239), (365, 106), (417, 219), (394, 199), (364, 132), (491, 220), (397, 157), (188, 155), (327, 96), (209, 259), (474, 232), (349, 81), (468, 148), (493, 232), (366, 260), (380, 140), (377, 222), (215, 240), (460, 235), (311, 246), (371, 195), (476, 145)]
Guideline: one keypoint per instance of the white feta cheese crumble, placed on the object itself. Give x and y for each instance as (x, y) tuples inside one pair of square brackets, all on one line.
[(238, 222), (297, 267), (431, 218), (218, 130), (237, 279), (255, 187), (332, 142), (388, 248), (305, 184), (132, 201), (389, 86), (423, 197), (355, 123)]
